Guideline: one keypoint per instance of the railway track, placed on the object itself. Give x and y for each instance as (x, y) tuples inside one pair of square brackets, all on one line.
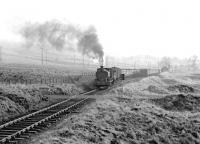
[(21, 128)]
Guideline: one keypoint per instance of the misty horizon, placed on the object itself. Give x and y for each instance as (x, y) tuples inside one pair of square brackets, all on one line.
[(155, 28)]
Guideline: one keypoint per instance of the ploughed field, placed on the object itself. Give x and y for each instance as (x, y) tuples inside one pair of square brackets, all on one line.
[(161, 109), (18, 97)]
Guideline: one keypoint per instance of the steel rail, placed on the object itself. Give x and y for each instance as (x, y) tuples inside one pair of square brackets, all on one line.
[(43, 119)]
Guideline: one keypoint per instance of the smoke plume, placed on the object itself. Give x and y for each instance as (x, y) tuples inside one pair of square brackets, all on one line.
[(89, 44), (49, 33), (57, 35)]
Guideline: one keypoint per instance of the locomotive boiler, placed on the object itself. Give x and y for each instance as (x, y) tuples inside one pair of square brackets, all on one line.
[(108, 76)]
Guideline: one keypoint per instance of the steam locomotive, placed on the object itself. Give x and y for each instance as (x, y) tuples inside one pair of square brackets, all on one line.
[(108, 76), (105, 77)]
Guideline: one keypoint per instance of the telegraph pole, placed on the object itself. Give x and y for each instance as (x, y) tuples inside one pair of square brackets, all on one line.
[(42, 54), (74, 59), (46, 56), (83, 61)]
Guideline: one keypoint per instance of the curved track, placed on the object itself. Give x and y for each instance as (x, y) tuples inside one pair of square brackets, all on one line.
[(21, 128)]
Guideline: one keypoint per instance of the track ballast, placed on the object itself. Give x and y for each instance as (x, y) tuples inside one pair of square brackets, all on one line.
[(20, 128)]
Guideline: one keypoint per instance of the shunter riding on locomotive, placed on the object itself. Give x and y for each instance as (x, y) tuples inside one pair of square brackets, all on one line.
[(108, 76)]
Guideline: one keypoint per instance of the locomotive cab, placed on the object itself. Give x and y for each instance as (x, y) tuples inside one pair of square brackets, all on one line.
[(102, 77), (107, 76)]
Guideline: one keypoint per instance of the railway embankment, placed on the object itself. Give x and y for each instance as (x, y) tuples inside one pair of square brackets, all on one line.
[(19, 99)]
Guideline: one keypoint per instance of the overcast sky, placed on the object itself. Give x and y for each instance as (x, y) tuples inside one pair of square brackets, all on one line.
[(125, 27)]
